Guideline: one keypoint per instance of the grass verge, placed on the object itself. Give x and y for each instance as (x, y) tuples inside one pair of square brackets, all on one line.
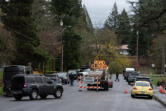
[(1, 91), (158, 78)]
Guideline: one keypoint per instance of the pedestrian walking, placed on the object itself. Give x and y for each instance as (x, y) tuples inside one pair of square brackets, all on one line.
[(117, 77)]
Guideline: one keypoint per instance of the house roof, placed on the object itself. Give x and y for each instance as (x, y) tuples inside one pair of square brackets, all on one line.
[(123, 47)]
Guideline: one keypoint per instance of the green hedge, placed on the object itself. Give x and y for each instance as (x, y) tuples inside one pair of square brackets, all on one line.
[(157, 78), (0, 90), (1, 75)]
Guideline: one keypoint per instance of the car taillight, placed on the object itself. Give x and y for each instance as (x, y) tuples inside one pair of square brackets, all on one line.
[(150, 89), (25, 85), (134, 88)]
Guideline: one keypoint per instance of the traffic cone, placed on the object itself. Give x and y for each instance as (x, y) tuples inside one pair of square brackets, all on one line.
[(161, 89), (125, 91), (163, 92)]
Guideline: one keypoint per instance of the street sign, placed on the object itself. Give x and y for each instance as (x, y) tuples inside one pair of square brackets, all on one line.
[(99, 64)]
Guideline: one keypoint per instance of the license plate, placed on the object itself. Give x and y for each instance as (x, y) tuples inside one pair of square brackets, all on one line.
[(17, 92), (142, 92)]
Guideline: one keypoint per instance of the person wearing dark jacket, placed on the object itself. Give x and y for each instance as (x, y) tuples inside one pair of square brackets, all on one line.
[(71, 77), (117, 77)]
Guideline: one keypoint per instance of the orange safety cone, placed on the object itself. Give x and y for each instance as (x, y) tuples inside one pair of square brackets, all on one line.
[(125, 91), (161, 89)]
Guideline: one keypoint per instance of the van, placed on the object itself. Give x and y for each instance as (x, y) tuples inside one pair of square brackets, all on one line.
[(9, 72), (34, 86), (127, 71)]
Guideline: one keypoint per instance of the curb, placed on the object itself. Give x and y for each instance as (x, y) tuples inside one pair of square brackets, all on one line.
[(159, 100)]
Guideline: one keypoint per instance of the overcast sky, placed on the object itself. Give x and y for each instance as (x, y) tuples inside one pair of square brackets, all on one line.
[(99, 9)]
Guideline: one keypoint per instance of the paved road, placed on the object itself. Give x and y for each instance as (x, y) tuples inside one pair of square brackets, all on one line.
[(72, 100)]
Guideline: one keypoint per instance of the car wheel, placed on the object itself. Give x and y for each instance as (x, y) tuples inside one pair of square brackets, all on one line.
[(34, 94), (17, 97), (106, 87), (43, 96), (150, 97), (132, 96), (58, 93)]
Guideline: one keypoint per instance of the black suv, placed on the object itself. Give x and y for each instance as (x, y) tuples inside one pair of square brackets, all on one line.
[(9, 72), (34, 86), (132, 76)]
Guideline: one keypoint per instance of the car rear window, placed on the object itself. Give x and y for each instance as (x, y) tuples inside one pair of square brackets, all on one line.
[(142, 84), (143, 79), (9, 72), (18, 82)]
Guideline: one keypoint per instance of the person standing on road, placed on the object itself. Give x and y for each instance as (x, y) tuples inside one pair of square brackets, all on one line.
[(117, 76), (71, 77)]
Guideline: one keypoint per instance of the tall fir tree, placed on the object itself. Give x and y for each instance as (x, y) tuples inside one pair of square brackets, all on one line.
[(18, 19), (124, 29), (112, 20), (69, 11), (72, 54)]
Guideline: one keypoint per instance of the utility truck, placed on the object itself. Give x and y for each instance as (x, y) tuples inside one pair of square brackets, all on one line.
[(98, 77)]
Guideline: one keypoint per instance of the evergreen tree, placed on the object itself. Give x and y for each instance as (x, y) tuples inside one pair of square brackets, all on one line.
[(66, 10), (69, 11), (72, 49), (18, 19), (124, 29), (112, 20), (145, 11)]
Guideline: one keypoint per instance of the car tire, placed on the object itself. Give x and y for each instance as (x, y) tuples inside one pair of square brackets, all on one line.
[(150, 97), (132, 96), (34, 94), (18, 97), (43, 96), (106, 87), (58, 93)]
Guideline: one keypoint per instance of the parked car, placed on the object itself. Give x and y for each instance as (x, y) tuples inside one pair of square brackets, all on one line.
[(54, 77), (132, 76), (9, 72), (64, 77), (127, 75), (142, 78), (84, 72), (110, 82), (142, 88), (34, 86), (127, 71)]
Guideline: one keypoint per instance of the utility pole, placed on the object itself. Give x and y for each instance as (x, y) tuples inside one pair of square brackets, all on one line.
[(163, 59), (137, 49), (62, 45), (61, 66)]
